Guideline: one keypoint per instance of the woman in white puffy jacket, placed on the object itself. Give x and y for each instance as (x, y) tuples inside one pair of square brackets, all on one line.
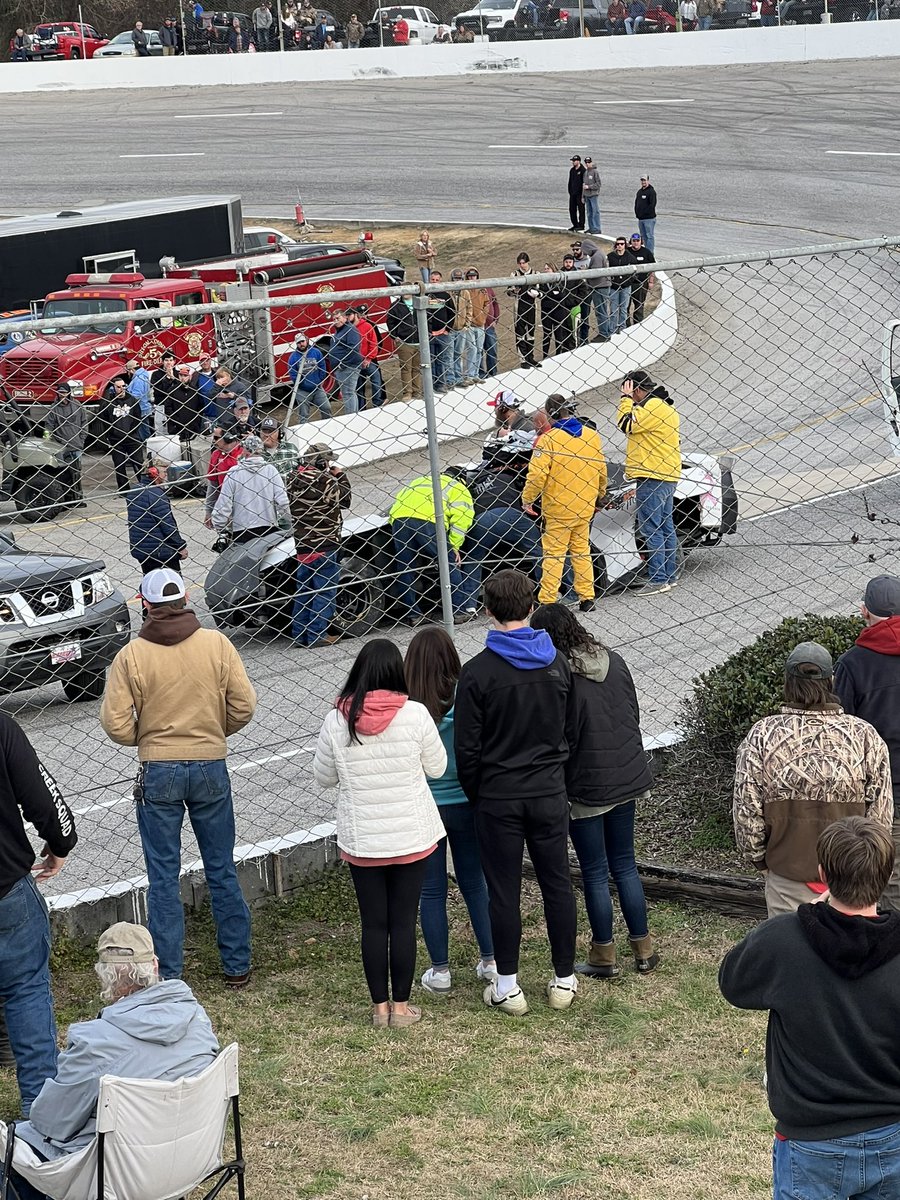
[(377, 747)]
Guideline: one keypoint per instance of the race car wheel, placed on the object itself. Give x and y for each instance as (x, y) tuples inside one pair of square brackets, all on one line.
[(361, 598)]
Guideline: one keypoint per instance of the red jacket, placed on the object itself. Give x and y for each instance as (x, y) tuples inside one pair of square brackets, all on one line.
[(220, 464), (368, 339), (401, 32)]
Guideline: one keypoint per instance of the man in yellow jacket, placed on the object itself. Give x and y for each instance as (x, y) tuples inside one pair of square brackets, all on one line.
[(648, 419), (568, 474), (414, 530)]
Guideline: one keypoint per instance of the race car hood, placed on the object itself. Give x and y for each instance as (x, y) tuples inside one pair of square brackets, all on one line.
[(233, 583)]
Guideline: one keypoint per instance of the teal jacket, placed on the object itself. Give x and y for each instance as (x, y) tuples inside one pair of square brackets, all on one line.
[(446, 790)]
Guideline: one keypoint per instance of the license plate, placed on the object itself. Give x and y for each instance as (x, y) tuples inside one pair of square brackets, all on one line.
[(65, 652)]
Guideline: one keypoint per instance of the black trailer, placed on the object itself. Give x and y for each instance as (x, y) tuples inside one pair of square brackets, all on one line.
[(38, 252)]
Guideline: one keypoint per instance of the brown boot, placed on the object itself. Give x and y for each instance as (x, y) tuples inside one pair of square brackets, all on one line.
[(644, 958), (601, 961)]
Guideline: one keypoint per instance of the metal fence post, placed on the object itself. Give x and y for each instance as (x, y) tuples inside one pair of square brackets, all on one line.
[(420, 304)]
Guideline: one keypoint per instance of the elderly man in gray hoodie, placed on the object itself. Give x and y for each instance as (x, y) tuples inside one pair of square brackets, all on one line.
[(591, 258), (149, 1029)]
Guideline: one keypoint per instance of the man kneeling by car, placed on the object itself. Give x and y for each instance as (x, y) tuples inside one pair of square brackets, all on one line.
[(317, 491), (149, 1029)]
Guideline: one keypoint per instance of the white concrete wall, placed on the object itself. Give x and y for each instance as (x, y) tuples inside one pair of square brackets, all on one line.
[(796, 43)]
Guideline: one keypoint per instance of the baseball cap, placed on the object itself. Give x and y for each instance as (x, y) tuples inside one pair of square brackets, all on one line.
[(635, 237), (576, 158), (64, 387), (162, 585), (645, 176), (126, 943), (268, 424), (882, 597), (587, 158), (252, 444), (809, 654), (320, 450), (505, 399)]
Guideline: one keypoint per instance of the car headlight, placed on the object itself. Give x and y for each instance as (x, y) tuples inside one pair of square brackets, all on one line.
[(77, 387), (101, 587), (8, 614)]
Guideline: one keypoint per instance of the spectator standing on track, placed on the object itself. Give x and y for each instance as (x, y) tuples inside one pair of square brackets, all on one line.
[(368, 348), (121, 422), (798, 771), (598, 295), (619, 286), (432, 670), (308, 362), (426, 254), (462, 323), (441, 315), (262, 25), (153, 535), (227, 449), (67, 423), (607, 773), (139, 40), (317, 492), (401, 323), (867, 683), (414, 531), (252, 501), (345, 358), (28, 792), (640, 284), (377, 747), (616, 13), (277, 450), (514, 720), (591, 193), (645, 212), (576, 188), (168, 38), (637, 14), (829, 976), (355, 32), (556, 323), (176, 692), (526, 299), (568, 475)]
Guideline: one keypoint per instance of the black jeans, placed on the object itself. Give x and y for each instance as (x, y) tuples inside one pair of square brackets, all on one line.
[(127, 456), (388, 899), (505, 828), (638, 300), (557, 328), (576, 211), (525, 323)]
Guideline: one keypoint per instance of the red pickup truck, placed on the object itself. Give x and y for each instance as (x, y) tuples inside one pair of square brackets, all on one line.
[(61, 39)]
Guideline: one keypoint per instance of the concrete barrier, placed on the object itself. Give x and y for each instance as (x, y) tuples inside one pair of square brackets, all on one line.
[(792, 43)]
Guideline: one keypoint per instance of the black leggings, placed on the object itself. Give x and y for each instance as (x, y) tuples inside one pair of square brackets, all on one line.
[(388, 899)]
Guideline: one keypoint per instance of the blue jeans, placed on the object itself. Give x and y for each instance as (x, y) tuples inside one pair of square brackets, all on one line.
[(633, 24), (592, 205), (372, 372), (347, 380), (459, 821), (490, 352), (599, 299), (411, 538), (319, 398), (316, 597), (618, 308), (509, 527), (656, 526), (25, 986), (604, 846), (442, 372), (459, 356), (647, 232), (705, 23), (204, 789), (864, 1166), (473, 348)]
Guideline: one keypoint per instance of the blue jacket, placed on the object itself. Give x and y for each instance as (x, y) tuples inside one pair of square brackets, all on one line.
[(637, 8), (446, 789), (140, 388), (344, 348), (313, 372), (152, 531)]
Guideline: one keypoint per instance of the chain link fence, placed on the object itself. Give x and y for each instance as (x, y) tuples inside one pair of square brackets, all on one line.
[(782, 369)]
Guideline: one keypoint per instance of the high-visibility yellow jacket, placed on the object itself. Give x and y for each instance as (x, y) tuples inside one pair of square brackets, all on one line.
[(416, 500), (568, 473), (654, 443)]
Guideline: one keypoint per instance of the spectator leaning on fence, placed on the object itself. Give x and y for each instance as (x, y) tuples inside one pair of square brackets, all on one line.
[(829, 977), (176, 692), (798, 771)]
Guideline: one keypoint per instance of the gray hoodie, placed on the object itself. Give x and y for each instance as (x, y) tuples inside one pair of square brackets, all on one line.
[(597, 261), (161, 1032), (67, 422), (591, 181), (253, 496)]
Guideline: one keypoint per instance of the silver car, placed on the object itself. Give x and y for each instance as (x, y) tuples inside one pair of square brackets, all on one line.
[(121, 46)]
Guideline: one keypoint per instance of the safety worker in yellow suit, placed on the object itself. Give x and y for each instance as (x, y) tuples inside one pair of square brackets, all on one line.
[(568, 474)]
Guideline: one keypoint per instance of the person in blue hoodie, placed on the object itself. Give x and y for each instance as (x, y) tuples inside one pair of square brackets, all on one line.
[(345, 357), (432, 669), (515, 719), (148, 1029), (153, 535), (307, 371)]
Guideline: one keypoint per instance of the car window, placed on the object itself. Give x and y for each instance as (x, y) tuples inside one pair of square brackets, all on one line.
[(154, 39), (192, 318), (148, 318), (91, 32), (410, 13), (429, 16)]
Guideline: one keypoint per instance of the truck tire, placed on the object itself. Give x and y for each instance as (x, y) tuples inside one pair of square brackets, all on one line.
[(84, 685), (41, 496), (76, 53), (361, 598)]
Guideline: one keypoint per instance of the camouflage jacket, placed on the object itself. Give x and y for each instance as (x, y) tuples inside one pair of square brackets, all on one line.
[(316, 498), (797, 772)]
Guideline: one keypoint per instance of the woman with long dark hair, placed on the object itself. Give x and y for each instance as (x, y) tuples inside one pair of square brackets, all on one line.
[(607, 773), (377, 747), (432, 669)]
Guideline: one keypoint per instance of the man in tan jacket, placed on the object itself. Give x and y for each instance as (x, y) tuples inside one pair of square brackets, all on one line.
[(177, 692)]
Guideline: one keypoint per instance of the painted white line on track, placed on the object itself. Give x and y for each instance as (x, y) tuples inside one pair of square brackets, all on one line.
[(180, 154), (866, 153), (220, 116), (570, 146), (642, 101)]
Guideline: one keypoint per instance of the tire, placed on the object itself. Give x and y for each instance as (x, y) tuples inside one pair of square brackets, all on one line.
[(41, 496), (85, 685), (361, 598), (76, 53)]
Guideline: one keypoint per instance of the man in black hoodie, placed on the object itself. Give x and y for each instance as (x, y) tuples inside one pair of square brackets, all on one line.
[(576, 195), (829, 976), (514, 721)]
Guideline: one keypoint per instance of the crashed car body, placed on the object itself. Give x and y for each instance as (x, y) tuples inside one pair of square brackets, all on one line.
[(251, 584)]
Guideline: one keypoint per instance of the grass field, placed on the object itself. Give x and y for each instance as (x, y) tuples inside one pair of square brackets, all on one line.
[(649, 1087)]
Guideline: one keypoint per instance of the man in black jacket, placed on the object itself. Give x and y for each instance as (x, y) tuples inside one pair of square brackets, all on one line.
[(526, 312), (619, 286), (645, 211), (441, 314), (401, 323), (829, 976), (121, 420), (576, 195), (513, 724), (640, 284), (867, 683), (28, 791)]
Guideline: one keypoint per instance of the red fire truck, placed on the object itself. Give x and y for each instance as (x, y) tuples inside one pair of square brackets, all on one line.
[(255, 343)]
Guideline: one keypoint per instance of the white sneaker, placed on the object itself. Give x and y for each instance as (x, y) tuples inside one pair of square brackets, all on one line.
[(437, 982), (513, 1004), (488, 973), (561, 995)]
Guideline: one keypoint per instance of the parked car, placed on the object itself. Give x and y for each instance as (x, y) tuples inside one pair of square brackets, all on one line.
[(735, 14), (121, 46), (15, 337), (423, 24), (511, 20), (264, 237), (810, 12), (62, 39), (209, 35), (332, 25), (61, 621)]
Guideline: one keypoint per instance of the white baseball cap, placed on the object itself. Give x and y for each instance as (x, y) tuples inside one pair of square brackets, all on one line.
[(156, 586), (505, 399)]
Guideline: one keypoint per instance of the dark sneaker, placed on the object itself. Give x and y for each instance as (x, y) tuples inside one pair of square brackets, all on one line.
[(586, 606)]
